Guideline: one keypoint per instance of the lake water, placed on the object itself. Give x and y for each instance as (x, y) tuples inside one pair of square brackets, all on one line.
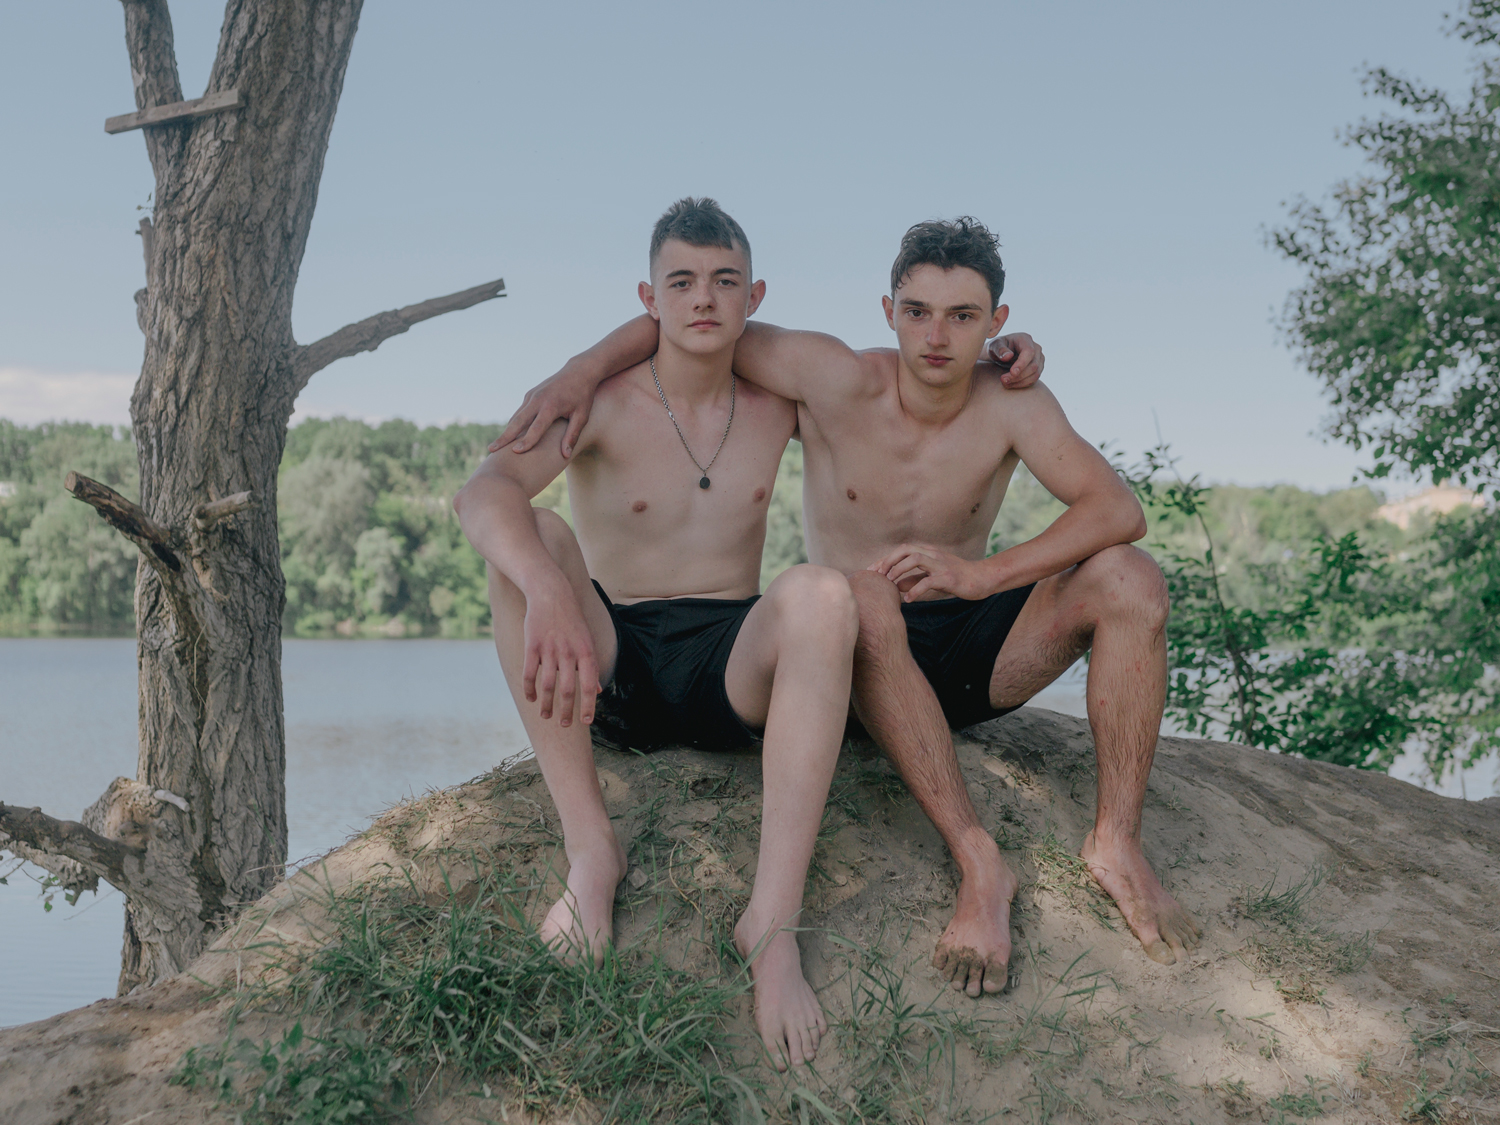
[(367, 724)]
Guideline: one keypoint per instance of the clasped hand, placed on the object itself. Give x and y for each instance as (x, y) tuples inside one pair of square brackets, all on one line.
[(917, 569)]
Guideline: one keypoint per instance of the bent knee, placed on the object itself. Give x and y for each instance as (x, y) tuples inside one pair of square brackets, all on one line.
[(1129, 580), (554, 531), (817, 598)]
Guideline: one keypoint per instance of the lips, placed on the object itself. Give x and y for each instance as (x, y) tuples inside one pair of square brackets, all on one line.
[(704, 324), (938, 360)]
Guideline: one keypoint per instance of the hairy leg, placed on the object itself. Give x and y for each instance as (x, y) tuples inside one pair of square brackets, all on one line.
[(789, 672), (1114, 603), (897, 706), (581, 922)]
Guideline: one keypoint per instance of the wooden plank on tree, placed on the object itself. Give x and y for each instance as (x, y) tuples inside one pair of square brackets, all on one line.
[(177, 111)]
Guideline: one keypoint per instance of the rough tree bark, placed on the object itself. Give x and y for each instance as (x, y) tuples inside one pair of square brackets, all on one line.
[(203, 829)]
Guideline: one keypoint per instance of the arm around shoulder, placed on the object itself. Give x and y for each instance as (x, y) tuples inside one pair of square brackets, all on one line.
[(794, 363)]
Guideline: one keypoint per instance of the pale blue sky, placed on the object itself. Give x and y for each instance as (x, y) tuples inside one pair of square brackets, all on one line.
[(1129, 156)]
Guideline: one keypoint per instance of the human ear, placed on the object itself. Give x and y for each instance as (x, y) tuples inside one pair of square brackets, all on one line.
[(890, 312), (757, 295), (997, 321), (648, 298)]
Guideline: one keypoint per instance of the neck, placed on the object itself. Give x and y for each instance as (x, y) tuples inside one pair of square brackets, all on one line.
[(690, 377), (928, 404)]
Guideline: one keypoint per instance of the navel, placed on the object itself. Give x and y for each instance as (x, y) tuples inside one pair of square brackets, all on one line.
[(849, 492), (974, 509), (638, 506), (760, 493)]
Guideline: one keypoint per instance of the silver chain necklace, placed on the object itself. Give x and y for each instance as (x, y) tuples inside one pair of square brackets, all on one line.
[(703, 481)]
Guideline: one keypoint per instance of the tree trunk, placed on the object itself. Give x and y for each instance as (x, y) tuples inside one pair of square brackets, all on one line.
[(234, 201), (203, 828)]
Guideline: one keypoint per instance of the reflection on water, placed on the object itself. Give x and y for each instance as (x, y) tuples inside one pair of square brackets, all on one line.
[(368, 723)]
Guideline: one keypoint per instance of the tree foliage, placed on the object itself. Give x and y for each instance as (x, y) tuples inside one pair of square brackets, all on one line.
[(1346, 646), (1398, 314)]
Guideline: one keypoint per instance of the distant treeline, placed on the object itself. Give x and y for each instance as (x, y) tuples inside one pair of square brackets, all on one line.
[(370, 544)]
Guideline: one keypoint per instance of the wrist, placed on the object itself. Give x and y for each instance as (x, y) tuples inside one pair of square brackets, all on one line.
[(994, 575)]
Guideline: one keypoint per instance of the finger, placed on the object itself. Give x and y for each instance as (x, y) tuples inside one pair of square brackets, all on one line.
[(567, 690), (512, 430), (528, 675), (575, 427), (588, 688), (928, 583), (534, 432), (547, 684)]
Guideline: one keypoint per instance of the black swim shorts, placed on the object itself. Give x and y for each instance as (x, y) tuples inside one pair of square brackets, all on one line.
[(668, 686), (955, 643)]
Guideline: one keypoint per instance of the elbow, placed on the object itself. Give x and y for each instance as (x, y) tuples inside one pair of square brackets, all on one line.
[(1136, 526)]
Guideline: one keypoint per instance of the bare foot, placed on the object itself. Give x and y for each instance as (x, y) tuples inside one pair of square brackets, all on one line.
[(1166, 930), (787, 1013), (581, 923), (975, 948)]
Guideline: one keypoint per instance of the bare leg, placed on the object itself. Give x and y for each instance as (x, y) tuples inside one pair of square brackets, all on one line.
[(789, 672), (899, 709), (581, 922), (1116, 604)]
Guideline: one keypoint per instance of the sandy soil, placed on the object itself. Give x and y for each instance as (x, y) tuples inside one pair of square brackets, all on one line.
[(1375, 997)]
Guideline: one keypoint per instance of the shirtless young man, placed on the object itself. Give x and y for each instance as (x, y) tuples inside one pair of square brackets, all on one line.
[(908, 453), (657, 598)]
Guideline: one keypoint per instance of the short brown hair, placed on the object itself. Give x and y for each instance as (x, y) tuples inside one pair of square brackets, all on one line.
[(963, 242), (699, 222)]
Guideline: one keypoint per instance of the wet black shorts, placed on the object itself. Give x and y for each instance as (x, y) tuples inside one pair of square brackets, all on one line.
[(955, 643), (668, 686)]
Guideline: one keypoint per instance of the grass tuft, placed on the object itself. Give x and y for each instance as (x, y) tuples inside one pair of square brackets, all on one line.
[(466, 989)]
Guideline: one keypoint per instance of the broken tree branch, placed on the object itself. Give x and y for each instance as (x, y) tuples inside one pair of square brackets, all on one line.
[(126, 518), (211, 513), (368, 334), (176, 111), (31, 834)]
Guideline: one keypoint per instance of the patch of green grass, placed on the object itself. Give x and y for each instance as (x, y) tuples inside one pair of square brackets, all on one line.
[(341, 1077), (1300, 1105), (1061, 872), (465, 988), (1285, 907), (894, 1043)]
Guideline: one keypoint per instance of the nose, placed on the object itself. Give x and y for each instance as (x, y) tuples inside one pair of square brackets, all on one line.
[(937, 332), (703, 297)]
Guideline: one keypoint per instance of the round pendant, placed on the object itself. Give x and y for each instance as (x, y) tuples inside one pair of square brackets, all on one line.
[(702, 482)]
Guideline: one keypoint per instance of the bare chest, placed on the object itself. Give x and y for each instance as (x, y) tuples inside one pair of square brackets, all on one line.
[(873, 480)]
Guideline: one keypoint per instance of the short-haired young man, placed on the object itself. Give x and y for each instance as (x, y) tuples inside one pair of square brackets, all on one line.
[(907, 456), (657, 598)]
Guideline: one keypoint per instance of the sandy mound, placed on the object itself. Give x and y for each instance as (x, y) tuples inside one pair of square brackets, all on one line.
[(1350, 972)]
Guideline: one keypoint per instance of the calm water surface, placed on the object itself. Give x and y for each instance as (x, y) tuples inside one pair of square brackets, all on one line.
[(367, 723)]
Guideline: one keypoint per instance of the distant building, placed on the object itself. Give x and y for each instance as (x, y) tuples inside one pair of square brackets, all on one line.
[(1437, 501)]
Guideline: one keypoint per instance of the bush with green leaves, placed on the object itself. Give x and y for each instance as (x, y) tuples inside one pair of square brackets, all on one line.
[(1345, 649)]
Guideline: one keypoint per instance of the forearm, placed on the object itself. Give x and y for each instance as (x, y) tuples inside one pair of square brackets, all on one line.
[(1086, 528), (497, 518), (631, 343)]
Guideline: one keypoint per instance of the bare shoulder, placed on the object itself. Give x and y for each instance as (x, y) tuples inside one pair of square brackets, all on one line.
[(874, 370), (618, 399)]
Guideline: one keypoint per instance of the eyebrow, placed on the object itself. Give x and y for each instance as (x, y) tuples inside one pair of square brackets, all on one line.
[(716, 273), (912, 302)]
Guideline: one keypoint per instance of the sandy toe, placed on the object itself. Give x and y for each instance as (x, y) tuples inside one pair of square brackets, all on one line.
[(1166, 931)]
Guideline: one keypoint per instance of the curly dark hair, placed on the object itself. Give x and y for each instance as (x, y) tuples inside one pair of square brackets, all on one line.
[(963, 242), (698, 222)]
